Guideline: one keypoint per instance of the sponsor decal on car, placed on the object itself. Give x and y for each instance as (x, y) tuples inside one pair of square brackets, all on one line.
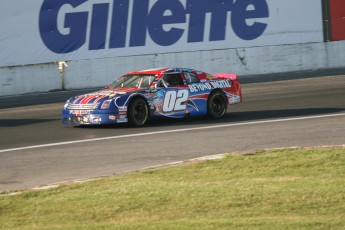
[(79, 112), (112, 117), (197, 87)]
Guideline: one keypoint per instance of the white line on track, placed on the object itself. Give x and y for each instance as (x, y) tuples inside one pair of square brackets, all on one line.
[(170, 131)]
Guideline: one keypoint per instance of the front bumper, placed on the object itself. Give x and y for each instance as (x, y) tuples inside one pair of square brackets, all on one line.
[(92, 118)]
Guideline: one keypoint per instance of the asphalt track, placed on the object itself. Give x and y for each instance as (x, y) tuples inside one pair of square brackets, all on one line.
[(36, 149)]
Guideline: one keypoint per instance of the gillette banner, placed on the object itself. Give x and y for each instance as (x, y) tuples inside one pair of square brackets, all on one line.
[(41, 31)]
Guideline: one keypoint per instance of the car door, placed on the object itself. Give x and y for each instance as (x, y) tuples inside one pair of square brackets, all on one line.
[(173, 94)]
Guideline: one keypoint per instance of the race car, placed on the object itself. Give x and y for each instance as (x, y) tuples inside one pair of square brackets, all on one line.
[(139, 96)]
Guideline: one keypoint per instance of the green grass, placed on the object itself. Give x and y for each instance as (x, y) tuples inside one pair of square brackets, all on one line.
[(279, 189)]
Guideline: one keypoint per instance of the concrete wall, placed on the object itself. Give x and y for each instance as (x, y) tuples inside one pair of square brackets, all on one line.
[(243, 61), (29, 79)]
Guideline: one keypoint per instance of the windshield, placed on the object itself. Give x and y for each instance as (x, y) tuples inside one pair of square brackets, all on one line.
[(133, 81)]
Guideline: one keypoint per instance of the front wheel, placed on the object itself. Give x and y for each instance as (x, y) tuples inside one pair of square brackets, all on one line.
[(216, 105), (138, 112)]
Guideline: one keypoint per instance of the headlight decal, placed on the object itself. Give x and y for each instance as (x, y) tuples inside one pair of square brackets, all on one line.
[(106, 104)]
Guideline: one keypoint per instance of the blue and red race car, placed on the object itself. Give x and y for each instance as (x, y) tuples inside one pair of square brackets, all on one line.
[(165, 92)]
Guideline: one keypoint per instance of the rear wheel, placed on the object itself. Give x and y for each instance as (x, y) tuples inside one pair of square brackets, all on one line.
[(138, 112), (216, 105)]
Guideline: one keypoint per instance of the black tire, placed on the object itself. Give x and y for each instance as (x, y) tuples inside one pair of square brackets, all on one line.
[(216, 105), (138, 112)]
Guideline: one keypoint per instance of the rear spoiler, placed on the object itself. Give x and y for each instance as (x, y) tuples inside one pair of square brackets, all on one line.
[(225, 75)]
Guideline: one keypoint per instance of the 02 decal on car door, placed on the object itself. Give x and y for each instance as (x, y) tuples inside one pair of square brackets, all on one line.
[(175, 100)]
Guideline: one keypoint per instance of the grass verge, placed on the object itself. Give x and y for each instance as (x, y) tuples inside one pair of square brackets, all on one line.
[(278, 189)]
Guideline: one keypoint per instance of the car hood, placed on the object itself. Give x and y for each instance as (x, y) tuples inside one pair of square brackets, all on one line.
[(101, 95)]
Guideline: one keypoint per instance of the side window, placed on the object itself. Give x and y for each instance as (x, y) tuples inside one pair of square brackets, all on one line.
[(191, 78), (173, 80)]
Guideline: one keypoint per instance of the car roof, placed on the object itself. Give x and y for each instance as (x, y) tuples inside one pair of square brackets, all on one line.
[(163, 70)]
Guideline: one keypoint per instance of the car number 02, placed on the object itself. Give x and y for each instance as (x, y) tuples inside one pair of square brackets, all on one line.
[(175, 101)]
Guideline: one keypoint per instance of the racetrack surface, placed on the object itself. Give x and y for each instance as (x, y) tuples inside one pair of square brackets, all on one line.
[(36, 149)]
